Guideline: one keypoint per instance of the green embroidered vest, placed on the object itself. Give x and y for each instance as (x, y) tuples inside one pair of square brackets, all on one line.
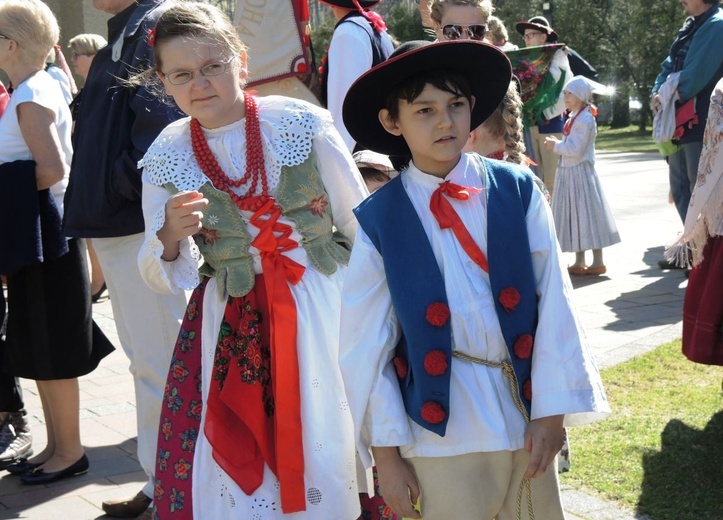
[(224, 240)]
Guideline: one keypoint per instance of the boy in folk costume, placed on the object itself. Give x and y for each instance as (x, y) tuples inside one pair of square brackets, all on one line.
[(456, 302), (359, 42)]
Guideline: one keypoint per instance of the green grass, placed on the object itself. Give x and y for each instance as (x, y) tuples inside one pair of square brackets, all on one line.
[(661, 451), (628, 139)]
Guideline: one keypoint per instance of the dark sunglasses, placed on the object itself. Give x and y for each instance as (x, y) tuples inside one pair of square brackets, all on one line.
[(473, 32)]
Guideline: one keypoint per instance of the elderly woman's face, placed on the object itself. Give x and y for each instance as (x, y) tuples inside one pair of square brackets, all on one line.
[(81, 62), (461, 22)]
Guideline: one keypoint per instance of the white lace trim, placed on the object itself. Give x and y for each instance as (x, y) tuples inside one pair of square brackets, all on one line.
[(288, 127), (184, 269)]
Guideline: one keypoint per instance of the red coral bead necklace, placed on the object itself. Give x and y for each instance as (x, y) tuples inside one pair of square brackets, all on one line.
[(255, 167)]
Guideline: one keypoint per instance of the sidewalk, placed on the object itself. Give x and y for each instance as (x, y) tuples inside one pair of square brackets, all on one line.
[(630, 310)]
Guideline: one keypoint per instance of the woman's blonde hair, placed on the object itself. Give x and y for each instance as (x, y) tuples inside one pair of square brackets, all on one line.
[(32, 25), (87, 44), (496, 30), (437, 7), (506, 121)]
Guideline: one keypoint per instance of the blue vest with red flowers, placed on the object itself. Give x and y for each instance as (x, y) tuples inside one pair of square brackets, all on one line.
[(416, 285)]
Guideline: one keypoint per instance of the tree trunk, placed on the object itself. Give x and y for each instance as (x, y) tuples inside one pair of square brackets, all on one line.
[(621, 108)]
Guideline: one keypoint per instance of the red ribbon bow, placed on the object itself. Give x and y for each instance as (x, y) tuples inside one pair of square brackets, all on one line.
[(448, 218)]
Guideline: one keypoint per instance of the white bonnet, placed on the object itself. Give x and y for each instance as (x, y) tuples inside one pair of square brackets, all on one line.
[(584, 88)]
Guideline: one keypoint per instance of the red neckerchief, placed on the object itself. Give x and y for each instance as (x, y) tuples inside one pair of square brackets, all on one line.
[(568, 124), (448, 218)]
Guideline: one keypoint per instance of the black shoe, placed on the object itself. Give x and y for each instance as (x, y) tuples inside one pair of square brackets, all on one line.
[(38, 476), (21, 467), (668, 264), (95, 297)]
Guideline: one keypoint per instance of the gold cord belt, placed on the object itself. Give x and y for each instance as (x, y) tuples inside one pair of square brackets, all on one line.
[(509, 372)]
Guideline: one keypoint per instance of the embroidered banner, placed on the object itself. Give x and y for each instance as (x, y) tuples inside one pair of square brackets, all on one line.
[(539, 89), (274, 32)]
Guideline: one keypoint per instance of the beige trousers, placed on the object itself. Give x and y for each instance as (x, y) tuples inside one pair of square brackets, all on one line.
[(484, 486), (546, 159)]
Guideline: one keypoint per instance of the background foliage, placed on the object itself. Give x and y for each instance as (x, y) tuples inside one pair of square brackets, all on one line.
[(624, 40)]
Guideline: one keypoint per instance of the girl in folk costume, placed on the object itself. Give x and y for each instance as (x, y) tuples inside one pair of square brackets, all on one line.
[(583, 219), (255, 422)]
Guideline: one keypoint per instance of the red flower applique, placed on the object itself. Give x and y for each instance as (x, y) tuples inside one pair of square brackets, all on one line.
[(435, 363), (509, 298), (523, 346), (401, 366), (437, 314), (318, 206), (527, 390), (209, 235), (152, 37), (433, 413)]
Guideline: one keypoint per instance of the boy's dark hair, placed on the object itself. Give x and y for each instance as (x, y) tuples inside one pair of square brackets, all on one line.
[(372, 174), (444, 79)]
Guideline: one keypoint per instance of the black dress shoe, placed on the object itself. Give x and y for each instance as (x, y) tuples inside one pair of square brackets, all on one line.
[(95, 297), (20, 467), (38, 476)]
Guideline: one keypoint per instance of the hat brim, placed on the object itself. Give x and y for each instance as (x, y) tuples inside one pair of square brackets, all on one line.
[(487, 69), (552, 36)]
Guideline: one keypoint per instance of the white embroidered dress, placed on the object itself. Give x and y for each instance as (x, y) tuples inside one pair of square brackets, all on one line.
[(289, 129)]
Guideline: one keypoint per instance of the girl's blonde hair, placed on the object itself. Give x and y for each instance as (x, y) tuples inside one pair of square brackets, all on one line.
[(86, 43), (32, 25), (506, 121), (198, 20), (186, 19), (437, 7), (496, 30)]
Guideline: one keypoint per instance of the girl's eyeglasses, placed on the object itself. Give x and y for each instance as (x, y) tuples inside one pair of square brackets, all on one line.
[(473, 32), (77, 55), (181, 77)]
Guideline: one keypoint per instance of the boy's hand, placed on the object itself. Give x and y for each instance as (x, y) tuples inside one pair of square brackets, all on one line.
[(543, 439), (184, 213), (550, 142), (397, 483)]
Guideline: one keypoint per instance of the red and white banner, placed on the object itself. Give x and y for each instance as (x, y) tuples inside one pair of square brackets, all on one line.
[(275, 33)]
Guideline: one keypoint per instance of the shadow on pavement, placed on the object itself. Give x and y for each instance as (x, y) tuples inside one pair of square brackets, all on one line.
[(677, 479), (108, 465)]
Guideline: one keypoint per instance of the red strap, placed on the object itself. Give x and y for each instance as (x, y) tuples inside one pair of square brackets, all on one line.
[(448, 218), (280, 271), (4, 99)]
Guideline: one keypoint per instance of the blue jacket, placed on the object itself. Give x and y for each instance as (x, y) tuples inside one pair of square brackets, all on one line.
[(115, 126), (700, 62), (415, 282), (33, 233)]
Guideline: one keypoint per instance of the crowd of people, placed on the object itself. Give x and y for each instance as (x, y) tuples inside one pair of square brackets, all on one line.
[(355, 311)]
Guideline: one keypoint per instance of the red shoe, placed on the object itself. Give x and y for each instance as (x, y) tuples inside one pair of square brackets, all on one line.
[(577, 269), (598, 270)]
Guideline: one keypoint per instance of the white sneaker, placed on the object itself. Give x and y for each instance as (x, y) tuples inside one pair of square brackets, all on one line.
[(15, 438)]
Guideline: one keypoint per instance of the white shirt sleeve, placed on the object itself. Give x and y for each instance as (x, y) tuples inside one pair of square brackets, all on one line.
[(565, 378), (370, 332), (342, 180), (350, 56), (161, 276), (576, 144), (559, 68)]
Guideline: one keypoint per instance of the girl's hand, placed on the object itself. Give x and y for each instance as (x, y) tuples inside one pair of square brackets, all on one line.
[(550, 142), (397, 482), (184, 213), (543, 439)]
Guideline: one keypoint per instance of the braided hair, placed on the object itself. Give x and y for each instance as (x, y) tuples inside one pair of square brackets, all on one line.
[(506, 121)]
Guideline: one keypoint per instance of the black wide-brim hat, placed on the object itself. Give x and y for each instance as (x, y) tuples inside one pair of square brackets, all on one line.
[(538, 23), (487, 69), (349, 4)]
